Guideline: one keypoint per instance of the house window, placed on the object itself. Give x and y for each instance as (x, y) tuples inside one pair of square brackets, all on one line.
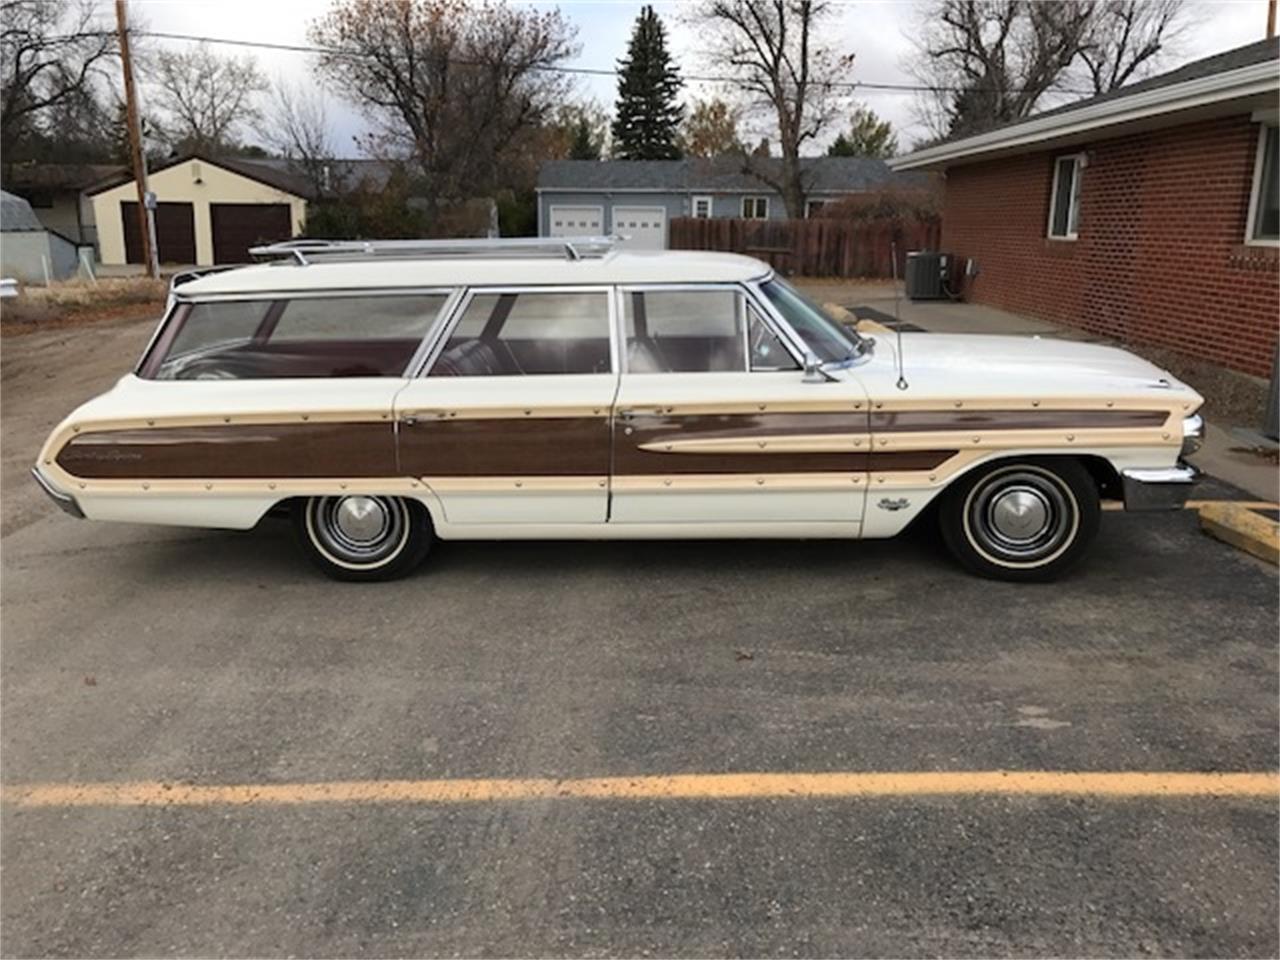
[(813, 208), (1264, 205), (702, 208), (755, 208), (1064, 210)]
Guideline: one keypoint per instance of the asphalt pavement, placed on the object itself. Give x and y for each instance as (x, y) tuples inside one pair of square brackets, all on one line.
[(183, 657)]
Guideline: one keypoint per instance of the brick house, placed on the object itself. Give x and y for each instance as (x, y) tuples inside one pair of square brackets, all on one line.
[(1149, 214)]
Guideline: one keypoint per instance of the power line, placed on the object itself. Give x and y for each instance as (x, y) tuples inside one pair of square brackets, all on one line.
[(850, 85)]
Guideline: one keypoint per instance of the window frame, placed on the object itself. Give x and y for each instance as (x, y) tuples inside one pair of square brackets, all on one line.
[(756, 198), (702, 198), (1073, 199), (809, 206), (752, 300), (1259, 159), (454, 316), (170, 326)]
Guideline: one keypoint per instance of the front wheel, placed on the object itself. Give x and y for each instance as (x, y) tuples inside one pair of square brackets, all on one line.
[(1029, 520), (363, 537)]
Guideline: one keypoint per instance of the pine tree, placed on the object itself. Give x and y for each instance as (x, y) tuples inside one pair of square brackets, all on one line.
[(647, 118), (584, 145)]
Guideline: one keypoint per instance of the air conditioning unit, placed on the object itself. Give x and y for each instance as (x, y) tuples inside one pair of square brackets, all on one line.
[(927, 275)]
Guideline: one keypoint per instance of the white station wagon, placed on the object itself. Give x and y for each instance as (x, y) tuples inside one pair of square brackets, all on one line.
[(390, 393)]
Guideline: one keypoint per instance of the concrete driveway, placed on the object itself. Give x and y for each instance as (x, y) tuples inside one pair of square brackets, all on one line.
[(208, 750)]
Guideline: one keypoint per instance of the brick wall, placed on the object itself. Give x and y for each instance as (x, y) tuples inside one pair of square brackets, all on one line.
[(1160, 257)]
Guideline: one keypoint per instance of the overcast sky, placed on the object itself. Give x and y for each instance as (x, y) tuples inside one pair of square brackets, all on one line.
[(877, 31)]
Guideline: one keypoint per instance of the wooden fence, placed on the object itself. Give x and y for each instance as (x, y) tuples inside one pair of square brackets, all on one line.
[(821, 247)]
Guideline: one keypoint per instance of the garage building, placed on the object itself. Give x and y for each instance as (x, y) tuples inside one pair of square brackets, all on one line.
[(637, 199), (207, 211)]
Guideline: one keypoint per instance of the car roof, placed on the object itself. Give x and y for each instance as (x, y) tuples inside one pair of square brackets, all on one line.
[(619, 267)]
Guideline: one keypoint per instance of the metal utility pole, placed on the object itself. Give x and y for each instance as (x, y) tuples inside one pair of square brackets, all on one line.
[(135, 145)]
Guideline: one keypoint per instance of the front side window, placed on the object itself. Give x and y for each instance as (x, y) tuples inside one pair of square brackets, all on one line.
[(755, 208), (698, 331), (765, 351), (821, 335), (303, 337), (528, 333), (1265, 209), (1064, 208)]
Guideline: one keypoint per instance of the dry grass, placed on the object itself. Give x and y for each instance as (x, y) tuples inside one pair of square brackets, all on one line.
[(72, 302), (80, 293)]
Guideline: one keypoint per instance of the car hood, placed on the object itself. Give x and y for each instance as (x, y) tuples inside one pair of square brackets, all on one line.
[(996, 359)]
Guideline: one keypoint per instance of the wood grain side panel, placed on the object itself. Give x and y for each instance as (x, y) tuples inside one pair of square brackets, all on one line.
[(653, 430), (237, 451), (523, 446), (902, 421)]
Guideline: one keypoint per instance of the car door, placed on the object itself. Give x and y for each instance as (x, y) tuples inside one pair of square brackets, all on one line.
[(509, 421), (715, 422)]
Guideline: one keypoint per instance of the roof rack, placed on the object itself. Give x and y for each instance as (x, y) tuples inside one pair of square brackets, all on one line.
[(303, 252)]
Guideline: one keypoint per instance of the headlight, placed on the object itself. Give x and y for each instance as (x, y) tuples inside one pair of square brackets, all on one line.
[(1192, 433)]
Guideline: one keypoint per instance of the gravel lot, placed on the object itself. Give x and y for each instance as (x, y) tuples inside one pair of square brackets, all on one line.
[(137, 654)]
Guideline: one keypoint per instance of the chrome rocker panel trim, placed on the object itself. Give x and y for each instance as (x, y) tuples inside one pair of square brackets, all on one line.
[(64, 500), (1160, 488)]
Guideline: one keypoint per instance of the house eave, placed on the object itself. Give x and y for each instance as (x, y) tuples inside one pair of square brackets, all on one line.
[(1159, 107)]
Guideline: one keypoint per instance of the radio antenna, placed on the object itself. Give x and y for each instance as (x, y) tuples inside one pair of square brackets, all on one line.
[(897, 319)]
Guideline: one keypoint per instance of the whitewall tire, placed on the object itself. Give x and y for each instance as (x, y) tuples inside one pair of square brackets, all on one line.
[(1021, 520), (361, 537)]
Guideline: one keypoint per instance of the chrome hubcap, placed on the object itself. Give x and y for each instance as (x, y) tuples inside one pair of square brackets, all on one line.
[(1019, 514), (361, 519), (358, 531)]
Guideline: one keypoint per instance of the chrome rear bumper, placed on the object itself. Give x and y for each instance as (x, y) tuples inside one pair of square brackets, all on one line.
[(1159, 488), (64, 500)]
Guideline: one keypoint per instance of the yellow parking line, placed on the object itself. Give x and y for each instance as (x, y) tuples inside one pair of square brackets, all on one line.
[(714, 786)]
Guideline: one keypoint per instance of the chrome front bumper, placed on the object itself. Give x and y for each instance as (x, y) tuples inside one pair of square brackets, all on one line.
[(1159, 488), (64, 500)]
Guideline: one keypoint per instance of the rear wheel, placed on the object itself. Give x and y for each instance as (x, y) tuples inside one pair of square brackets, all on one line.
[(363, 537), (1030, 520)]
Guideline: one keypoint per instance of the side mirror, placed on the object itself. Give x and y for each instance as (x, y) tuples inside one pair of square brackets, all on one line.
[(813, 369)]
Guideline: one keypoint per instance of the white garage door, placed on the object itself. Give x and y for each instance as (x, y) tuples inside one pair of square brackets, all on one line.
[(644, 227), (575, 221)]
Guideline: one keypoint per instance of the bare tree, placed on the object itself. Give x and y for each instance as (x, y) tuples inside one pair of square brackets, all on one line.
[(458, 88), (993, 61), (297, 127), (774, 50), (51, 53), (202, 101), (1127, 36)]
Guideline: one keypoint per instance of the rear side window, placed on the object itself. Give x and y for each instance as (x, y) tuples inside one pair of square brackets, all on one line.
[(286, 339), (528, 334), (210, 326)]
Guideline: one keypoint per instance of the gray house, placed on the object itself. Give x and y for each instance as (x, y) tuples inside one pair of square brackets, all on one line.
[(637, 198)]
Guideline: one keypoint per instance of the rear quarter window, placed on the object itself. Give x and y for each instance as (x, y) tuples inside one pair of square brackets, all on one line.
[(369, 336)]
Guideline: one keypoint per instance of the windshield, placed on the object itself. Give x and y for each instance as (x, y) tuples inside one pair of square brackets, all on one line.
[(820, 333)]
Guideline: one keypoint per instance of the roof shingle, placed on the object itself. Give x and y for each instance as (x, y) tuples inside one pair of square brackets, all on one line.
[(725, 174)]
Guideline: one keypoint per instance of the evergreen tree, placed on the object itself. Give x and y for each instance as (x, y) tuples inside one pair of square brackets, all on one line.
[(646, 122), (584, 145)]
